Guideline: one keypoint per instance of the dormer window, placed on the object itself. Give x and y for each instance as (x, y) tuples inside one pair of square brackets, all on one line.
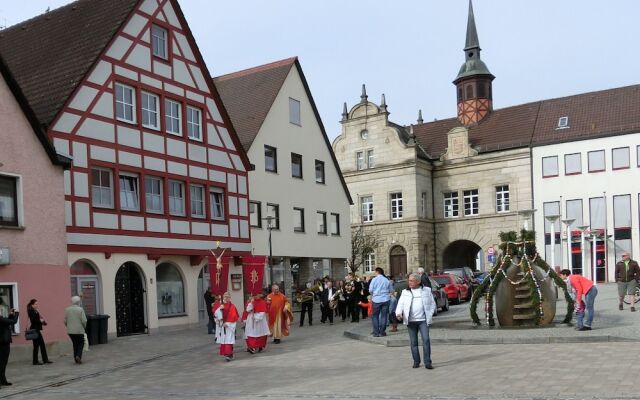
[(159, 41), (563, 123)]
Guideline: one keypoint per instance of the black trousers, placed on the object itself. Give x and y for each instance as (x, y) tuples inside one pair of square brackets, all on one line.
[(5, 349), (342, 309), (307, 307), (327, 312), (354, 309), (38, 344), (78, 344)]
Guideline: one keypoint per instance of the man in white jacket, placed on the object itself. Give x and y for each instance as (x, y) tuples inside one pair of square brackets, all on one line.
[(415, 308)]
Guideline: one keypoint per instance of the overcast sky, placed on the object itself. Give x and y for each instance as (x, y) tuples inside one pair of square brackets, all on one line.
[(412, 50)]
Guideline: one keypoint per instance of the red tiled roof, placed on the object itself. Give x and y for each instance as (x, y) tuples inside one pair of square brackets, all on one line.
[(249, 94), (593, 114), (50, 54)]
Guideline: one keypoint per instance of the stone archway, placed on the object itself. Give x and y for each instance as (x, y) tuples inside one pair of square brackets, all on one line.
[(130, 296), (461, 253)]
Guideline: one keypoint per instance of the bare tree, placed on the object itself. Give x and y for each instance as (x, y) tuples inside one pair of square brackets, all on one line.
[(363, 242)]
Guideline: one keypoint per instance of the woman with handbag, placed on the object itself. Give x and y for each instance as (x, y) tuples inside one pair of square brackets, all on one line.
[(37, 324)]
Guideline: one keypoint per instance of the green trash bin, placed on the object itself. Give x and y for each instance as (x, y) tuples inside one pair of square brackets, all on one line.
[(103, 326), (92, 330)]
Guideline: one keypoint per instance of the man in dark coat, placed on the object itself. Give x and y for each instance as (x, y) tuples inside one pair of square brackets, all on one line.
[(6, 330), (208, 302), (627, 273)]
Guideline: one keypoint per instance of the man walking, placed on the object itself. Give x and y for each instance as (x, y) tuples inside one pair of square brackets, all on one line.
[(415, 309), (424, 278), (380, 290), (208, 302), (325, 303), (581, 286), (627, 271), (306, 302), (278, 324)]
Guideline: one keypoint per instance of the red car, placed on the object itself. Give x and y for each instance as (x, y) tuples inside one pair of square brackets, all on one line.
[(454, 286)]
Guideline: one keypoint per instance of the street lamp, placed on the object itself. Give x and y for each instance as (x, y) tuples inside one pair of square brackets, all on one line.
[(583, 229), (552, 219), (270, 220), (568, 223), (526, 214)]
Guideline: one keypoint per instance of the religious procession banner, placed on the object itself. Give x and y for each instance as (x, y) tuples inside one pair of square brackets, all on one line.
[(253, 273), (219, 273)]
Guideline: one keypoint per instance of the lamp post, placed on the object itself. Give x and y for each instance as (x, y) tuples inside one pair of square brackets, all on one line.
[(526, 214), (583, 230), (552, 219), (269, 220), (568, 223), (594, 237)]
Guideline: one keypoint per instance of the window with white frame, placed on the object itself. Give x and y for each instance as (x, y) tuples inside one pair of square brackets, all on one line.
[(9, 300), (369, 262), (197, 201), (194, 123), (153, 194), (129, 199), (596, 161), (371, 161), (125, 103), (423, 204), (470, 202), (450, 204), (176, 198), (273, 211), (360, 160), (572, 164), (321, 222), (255, 214), (320, 172), (150, 110), (8, 201), (173, 117), (101, 188), (294, 112), (335, 224), (298, 219), (159, 41), (620, 158), (217, 203), (550, 166), (366, 208), (502, 198), (396, 205)]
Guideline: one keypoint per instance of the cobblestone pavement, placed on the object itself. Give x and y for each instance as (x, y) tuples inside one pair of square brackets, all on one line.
[(319, 362)]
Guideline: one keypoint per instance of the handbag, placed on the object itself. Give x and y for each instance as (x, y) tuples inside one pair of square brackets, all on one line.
[(31, 334)]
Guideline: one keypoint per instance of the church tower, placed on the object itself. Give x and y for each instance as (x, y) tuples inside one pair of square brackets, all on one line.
[(473, 83)]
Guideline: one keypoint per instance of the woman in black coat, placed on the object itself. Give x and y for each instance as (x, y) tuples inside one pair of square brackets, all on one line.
[(37, 322), (6, 330)]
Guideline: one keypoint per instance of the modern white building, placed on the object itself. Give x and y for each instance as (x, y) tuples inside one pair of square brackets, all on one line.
[(299, 202)]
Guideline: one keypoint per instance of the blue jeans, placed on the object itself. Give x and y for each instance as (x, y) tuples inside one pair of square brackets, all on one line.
[(211, 327), (413, 328), (589, 299), (378, 319)]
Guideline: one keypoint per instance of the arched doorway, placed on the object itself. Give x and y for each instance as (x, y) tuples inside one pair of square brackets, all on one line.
[(86, 284), (130, 300), (204, 283), (398, 262), (461, 253)]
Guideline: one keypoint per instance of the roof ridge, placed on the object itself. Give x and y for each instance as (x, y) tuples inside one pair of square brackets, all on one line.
[(259, 68), (37, 17)]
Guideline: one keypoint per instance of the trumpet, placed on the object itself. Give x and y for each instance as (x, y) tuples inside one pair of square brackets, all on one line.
[(333, 303)]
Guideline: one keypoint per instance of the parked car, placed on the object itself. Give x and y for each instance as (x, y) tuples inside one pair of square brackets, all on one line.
[(467, 276), (479, 277), (439, 294), (454, 286)]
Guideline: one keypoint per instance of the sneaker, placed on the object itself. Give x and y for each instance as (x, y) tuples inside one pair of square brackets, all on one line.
[(633, 309), (428, 366), (383, 334), (228, 358), (620, 307), (415, 365), (584, 328), (251, 350)]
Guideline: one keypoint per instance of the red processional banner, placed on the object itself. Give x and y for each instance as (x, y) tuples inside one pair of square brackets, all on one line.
[(219, 274), (253, 273)]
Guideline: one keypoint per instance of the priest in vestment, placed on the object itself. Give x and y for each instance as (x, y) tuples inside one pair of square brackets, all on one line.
[(280, 316), (226, 316), (256, 327)]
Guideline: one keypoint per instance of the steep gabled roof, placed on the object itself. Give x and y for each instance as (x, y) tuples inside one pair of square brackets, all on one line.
[(56, 159), (248, 95), (590, 115), (50, 54)]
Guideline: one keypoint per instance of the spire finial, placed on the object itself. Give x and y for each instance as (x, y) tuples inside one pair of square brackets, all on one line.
[(363, 96), (383, 103), (345, 113), (472, 33), (420, 120)]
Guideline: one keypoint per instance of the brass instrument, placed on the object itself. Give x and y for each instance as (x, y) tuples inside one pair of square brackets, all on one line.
[(308, 294), (333, 303)]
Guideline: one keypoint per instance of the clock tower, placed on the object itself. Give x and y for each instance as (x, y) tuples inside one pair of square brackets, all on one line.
[(473, 83)]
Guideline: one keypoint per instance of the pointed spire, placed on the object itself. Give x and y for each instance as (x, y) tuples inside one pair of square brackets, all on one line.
[(363, 96), (383, 103), (472, 33), (345, 113), (420, 120)]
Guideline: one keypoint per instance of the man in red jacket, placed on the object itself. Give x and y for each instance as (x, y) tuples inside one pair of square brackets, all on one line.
[(581, 286)]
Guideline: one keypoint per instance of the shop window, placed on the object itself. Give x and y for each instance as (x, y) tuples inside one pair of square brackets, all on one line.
[(170, 291)]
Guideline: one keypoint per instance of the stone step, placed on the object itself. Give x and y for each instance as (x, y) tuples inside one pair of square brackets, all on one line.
[(524, 316), (523, 296), (524, 305)]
